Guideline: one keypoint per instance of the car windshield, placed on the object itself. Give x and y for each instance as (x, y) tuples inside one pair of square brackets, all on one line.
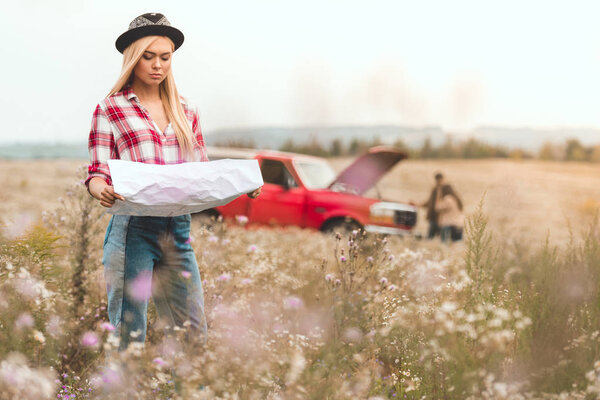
[(315, 174)]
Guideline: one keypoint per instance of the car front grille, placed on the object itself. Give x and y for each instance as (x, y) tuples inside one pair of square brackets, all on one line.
[(407, 218)]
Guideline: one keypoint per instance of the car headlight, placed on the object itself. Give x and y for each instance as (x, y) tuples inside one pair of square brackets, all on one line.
[(381, 215)]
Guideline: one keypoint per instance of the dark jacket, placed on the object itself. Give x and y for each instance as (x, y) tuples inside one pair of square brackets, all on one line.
[(431, 214)]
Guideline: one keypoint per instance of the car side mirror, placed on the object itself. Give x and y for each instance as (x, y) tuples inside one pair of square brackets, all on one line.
[(289, 182)]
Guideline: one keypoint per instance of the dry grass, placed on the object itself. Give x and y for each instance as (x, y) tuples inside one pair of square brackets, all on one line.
[(498, 316), (522, 198)]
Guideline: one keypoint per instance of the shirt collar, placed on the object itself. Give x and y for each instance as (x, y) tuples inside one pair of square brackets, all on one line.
[(128, 92)]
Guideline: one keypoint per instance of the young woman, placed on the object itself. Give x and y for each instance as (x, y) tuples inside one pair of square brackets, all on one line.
[(450, 216), (144, 119)]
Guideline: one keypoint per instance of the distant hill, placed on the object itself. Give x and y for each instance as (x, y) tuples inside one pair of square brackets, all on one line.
[(274, 138), (529, 139), (532, 138), (29, 151)]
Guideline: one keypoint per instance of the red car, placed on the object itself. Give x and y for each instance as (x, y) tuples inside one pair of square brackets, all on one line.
[(304, 191)]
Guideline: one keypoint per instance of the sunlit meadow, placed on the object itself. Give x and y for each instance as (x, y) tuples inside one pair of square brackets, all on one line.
[(512, 312)]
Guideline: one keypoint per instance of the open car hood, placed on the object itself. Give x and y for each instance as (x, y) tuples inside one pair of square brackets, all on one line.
[(367, 169)]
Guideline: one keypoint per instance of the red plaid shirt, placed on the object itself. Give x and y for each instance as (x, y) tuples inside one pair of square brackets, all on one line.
[(122, 129)]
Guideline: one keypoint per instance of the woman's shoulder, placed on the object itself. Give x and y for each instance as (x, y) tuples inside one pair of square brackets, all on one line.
[(119, 99), (191, 111), (186, 103)]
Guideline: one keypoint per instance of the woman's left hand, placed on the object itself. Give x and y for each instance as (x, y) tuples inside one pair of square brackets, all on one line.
[(255, 194)]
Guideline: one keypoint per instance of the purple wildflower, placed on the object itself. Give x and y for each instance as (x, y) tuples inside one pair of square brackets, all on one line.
[(90, 339), (213, 239), (107, 326), (159, 361), (353, 334), (141, 287), (241, 219), (186, 274), (293, 303), (24, 321)]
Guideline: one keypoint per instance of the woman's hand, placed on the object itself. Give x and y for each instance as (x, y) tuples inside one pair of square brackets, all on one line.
[(108, 196), (104, 192), (255, 194)]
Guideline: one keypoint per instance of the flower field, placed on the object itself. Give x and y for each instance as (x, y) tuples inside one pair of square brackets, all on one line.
[(512, 312)]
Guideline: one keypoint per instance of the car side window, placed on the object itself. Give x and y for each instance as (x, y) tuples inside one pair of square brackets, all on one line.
[(276, 173)]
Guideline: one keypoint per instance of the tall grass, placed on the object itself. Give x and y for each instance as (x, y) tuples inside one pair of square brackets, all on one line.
[(297, 314)]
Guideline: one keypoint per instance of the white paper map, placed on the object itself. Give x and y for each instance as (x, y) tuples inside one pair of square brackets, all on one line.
[(177, 189)]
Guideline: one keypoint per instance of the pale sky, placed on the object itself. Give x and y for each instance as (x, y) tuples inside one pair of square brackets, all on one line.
[(246, 63)]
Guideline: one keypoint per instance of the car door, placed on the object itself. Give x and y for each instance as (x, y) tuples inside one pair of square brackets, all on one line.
[(282, 200)]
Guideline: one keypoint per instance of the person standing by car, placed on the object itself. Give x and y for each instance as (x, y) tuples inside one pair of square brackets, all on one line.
[(449, 209), (432, 216), (143, 119)]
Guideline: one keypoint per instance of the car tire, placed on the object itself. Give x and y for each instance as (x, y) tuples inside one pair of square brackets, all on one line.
[(207, 218), (341, 225)]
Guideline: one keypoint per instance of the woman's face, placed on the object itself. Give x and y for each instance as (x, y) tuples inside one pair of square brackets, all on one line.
[(155, 63)]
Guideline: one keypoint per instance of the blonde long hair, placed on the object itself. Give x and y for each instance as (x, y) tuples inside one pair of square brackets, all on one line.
[(167, 89)]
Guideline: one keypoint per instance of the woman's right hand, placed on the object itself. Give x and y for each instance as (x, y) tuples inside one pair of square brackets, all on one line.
[(104, 192), (108, 196)]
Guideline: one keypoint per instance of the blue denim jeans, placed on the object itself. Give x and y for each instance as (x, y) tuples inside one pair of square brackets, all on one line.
[(151, 257)]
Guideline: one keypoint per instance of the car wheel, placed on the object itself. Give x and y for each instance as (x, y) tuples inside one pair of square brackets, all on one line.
[(207, 218), (342, 226)]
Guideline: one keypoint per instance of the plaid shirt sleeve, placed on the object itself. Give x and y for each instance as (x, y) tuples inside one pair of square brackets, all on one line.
[(101, 146), (198, 140)]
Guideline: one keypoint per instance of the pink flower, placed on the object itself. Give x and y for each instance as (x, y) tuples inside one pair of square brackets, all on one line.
[(54, 326), (293, 303), (353, 334), (159, 361), (96, 381), (391, 257), (111, 377), (246, 281), (241, 219), (213, 239), (392, 287), (369, 259), (141, 287), (90, 339), (252, 248), (329, 277), (343, 258), (186, 274), (24, 321), (383, 281), (107, 326), (224, 277), (337, 282)]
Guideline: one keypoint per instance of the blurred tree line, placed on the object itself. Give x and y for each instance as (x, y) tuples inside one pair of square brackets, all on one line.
[(471, 148)]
